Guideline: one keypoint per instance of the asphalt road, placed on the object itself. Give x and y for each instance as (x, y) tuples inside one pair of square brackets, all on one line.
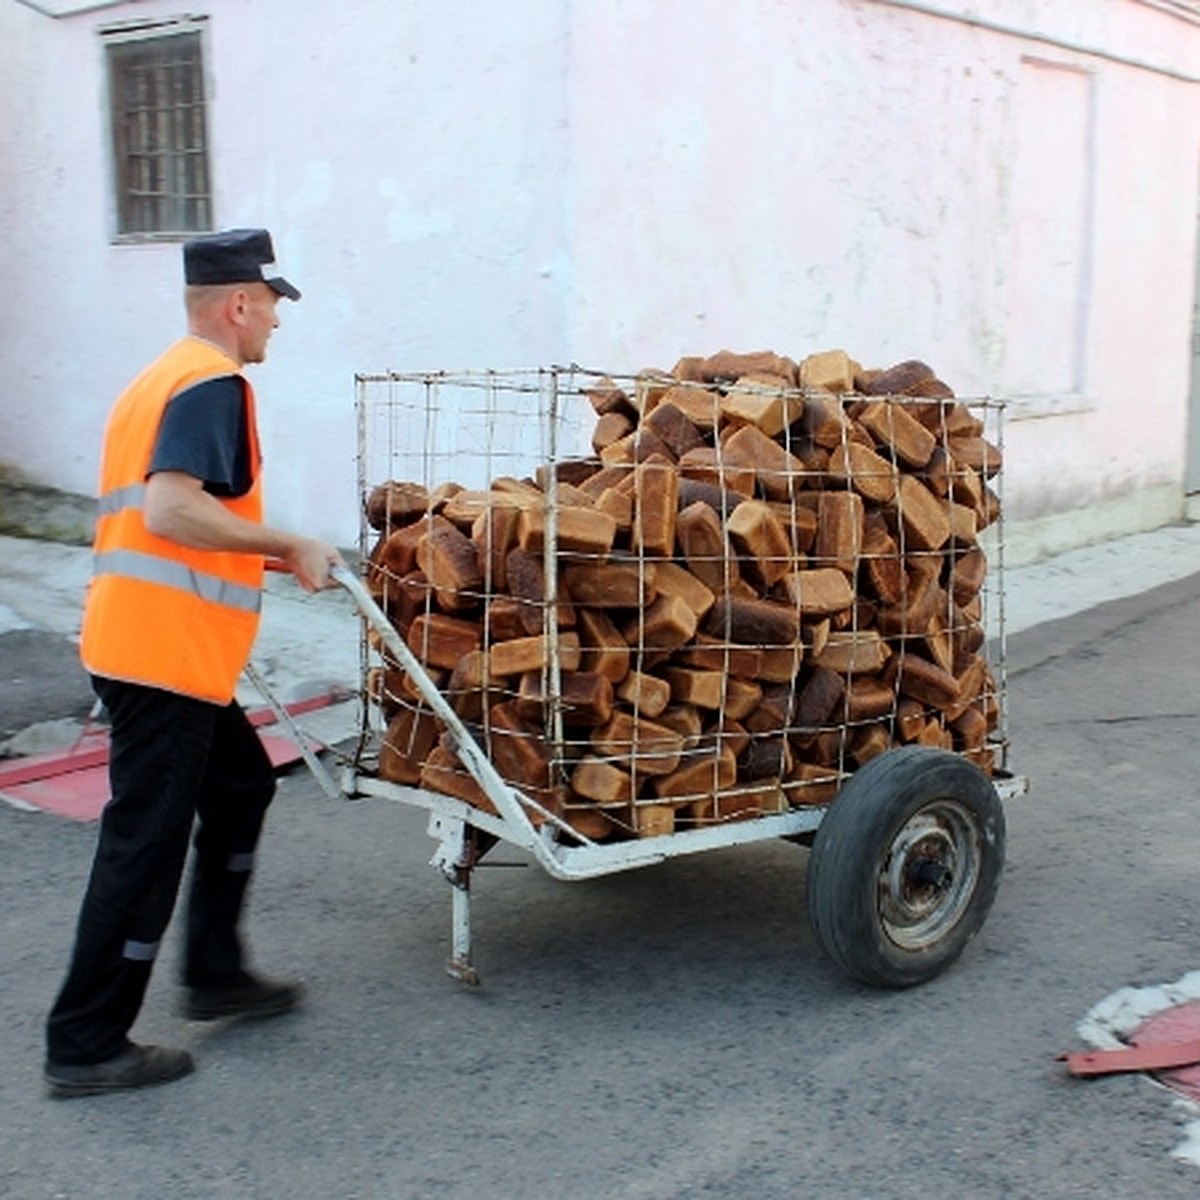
[(673, 1032)]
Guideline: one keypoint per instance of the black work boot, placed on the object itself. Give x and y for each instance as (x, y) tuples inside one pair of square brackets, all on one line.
[(135, 1067), (246, 996)]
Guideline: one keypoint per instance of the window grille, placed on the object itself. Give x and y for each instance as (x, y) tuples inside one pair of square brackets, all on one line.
[(160, 135)]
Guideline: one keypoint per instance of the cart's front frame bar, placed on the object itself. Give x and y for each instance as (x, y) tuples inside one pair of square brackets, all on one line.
[(593, 859), (453, 823)]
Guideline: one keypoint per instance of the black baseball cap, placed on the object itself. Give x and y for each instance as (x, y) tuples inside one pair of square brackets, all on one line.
[(234, 256)]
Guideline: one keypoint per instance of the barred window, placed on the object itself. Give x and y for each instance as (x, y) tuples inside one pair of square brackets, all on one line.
[(159, 135)]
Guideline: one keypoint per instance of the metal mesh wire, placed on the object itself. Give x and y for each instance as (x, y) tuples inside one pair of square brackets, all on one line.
[(646, 637)]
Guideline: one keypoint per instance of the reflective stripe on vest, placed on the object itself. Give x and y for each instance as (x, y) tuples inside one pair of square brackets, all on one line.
[(119, 498), (149, 568)]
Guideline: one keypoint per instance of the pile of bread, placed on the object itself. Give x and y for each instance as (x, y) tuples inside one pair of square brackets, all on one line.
[(767, 573)]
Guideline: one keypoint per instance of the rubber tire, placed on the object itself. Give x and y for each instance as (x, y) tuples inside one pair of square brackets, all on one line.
[(851, 850)]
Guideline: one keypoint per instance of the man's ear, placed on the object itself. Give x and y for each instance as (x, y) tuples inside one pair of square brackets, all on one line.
[(236, 305)]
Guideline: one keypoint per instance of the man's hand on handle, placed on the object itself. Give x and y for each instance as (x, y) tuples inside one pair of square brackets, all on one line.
[(310, 561)]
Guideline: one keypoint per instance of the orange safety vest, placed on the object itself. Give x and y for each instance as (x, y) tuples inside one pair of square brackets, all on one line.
[(158, 613)]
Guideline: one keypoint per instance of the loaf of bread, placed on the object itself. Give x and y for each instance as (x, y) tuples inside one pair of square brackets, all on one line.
[(769, 574)]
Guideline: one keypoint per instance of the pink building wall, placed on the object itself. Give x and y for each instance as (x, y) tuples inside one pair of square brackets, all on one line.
[(1006, 190)]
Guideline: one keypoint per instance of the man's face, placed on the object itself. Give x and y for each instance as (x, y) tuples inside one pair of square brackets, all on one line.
[(258, 321)]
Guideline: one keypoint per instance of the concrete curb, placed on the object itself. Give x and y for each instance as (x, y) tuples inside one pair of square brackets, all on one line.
[(1058, 638)]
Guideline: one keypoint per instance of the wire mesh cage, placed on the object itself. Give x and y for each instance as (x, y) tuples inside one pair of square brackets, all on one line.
[(661, 601)]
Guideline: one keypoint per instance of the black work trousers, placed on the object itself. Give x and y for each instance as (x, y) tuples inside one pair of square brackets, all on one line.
[(173, 759)]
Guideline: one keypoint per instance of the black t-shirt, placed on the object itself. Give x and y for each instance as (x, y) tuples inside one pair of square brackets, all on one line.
[(203, 434)]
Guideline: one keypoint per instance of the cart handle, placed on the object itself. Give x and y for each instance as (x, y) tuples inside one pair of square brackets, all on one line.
[(508, 800)]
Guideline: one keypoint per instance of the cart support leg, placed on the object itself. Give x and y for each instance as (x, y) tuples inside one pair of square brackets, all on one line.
[(459, 965), (455, 857)]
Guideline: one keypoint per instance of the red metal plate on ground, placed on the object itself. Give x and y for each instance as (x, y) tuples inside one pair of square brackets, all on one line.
[(74, 783), (1176, 1025)]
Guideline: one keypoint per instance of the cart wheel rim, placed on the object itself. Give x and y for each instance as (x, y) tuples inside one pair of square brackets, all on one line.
[(929, 874)]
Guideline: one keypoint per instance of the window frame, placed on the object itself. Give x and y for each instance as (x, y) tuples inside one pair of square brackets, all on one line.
[(112, 39)]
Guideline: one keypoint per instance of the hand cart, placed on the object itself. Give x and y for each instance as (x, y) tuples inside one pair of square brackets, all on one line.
[(904, 861)]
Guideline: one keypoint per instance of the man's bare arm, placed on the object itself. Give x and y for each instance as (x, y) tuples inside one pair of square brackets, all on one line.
[(178, 508)]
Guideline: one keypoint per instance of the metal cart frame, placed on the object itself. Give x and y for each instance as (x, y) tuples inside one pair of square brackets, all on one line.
[(464, 833)]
